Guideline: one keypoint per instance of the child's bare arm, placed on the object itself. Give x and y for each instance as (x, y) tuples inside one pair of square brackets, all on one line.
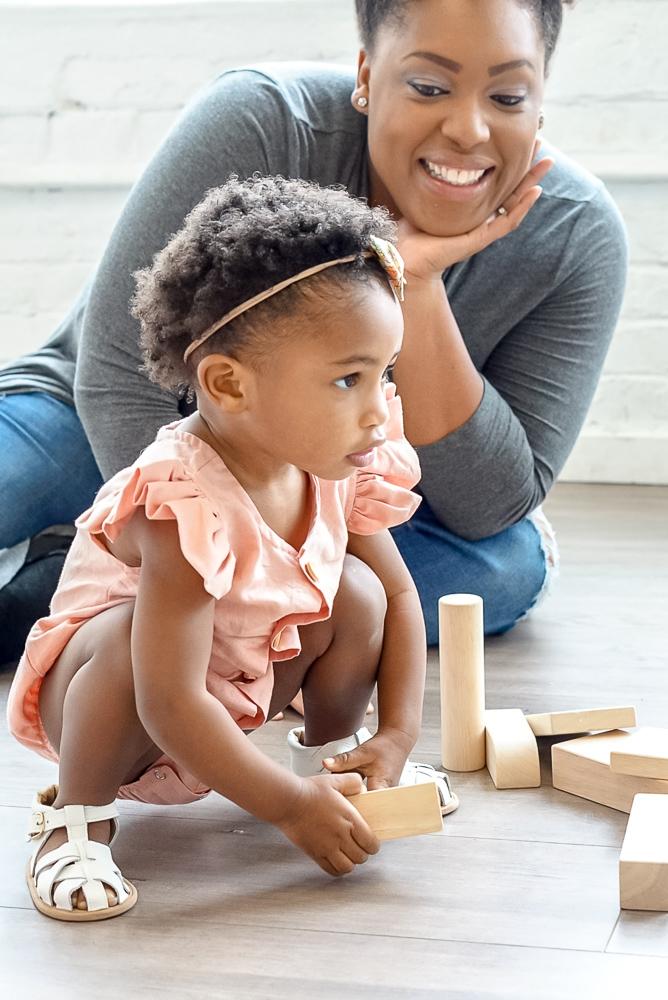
[(401, 673), (171, 647)]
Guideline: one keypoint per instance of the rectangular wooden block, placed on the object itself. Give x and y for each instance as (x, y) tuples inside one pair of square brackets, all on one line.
[(643, 862), (406, 811), (649, 759), (582, 720), (582, 767), (511, 749)]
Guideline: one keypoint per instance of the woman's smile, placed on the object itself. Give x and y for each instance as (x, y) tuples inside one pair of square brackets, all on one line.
[(454, 183)]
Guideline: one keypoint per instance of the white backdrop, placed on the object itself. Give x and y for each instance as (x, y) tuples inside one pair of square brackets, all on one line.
[(88, 89)]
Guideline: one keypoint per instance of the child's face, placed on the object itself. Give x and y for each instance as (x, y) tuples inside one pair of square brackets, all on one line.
[(320, 403)]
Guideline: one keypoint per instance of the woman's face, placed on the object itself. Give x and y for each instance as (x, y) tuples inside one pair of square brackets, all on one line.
[(454, 95)]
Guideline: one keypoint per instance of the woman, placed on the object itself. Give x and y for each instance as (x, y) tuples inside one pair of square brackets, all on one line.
[(507, 324)]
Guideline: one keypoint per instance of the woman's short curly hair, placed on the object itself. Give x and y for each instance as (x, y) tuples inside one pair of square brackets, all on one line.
[(372, 14), (241, 239)]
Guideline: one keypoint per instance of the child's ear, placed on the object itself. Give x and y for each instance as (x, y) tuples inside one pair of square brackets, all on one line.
[(224, 381)]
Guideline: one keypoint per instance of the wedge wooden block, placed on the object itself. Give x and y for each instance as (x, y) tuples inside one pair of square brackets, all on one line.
[(582, 767), (649, 759), (582, 720), (406, 811), (643, 862), (511, 748), (462, 675)]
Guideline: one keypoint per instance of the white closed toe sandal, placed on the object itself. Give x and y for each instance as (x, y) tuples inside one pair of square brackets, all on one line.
[(79, 863), (307, 761)]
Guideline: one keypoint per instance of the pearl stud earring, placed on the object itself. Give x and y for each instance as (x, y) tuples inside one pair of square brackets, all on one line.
[(362, 102)]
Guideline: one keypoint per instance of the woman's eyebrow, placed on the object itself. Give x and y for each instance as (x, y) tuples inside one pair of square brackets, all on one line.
[(456, 67), (513, 64), (434, 57)]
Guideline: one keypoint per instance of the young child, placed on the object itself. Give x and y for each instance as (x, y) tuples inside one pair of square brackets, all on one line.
[(243, 557)]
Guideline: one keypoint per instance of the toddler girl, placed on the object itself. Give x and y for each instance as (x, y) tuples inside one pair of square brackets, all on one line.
[(243, 557)]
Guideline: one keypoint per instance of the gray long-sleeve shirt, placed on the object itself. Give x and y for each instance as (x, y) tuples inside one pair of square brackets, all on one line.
[(536, 309)]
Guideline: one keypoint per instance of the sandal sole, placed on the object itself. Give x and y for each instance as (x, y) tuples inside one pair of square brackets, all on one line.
[(75, 916)]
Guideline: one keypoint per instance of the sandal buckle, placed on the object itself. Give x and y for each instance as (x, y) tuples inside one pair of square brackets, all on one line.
[(37, 825)]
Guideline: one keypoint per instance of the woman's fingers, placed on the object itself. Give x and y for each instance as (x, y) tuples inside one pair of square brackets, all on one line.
[(532, 178)]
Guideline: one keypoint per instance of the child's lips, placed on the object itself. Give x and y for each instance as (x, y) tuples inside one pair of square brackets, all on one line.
[(363, 458)]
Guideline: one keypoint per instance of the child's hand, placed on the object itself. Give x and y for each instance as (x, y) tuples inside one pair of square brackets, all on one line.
[(380, 760), (327, 827)]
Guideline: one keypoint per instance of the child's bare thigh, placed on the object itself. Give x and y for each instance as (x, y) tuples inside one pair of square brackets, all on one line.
[(105, 637)]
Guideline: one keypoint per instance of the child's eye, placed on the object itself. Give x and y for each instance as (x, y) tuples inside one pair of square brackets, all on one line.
[(388, 373), (347, 381)]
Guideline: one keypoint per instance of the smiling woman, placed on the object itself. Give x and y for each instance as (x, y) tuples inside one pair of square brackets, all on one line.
[(515, 260)]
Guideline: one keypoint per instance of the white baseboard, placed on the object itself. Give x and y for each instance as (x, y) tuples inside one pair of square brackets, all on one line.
[(608, 458)]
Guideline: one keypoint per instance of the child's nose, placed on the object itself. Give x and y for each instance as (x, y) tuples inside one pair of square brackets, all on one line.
[(377, 410)]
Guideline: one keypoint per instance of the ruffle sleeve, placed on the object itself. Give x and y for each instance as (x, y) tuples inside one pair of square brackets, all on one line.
[(382, 495), (166, 492)]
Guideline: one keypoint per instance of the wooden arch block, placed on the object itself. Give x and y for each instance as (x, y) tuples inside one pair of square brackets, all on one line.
[(512, 751)]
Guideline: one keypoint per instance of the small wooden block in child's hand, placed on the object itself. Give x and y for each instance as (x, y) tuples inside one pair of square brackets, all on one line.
[(405, 811)]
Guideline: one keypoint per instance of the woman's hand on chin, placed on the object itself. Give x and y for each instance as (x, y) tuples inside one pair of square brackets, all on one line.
[(426, 257)]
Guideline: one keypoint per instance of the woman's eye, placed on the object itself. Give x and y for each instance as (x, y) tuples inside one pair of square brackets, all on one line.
[(509, 100), (347, 381), (427, 89)]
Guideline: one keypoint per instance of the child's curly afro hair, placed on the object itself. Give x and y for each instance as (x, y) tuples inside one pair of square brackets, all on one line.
[(241, 239)]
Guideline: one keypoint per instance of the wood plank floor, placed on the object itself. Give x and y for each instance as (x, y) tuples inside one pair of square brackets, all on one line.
[(517, 898)]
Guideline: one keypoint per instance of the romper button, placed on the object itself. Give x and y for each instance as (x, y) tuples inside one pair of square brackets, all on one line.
[(311, 573), (159, 775)]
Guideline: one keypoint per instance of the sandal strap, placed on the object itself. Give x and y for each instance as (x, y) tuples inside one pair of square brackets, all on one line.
[(86, 865), (45, 818)]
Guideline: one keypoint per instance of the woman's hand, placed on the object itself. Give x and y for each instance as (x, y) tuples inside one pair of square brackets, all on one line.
[(327, 827), (426, 257), (380, 760)]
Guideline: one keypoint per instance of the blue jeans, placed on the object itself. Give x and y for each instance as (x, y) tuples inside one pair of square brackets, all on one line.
[(507, 570), (47, 471), (48, 476)]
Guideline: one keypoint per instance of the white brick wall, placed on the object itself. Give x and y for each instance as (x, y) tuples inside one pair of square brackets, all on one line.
[(90, 88)]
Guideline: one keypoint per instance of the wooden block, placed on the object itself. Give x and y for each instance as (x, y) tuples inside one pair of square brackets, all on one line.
[(643, 862), (583, 720), (582, 767), (405, 811), (462, 676), (649, 759), (512, 751)]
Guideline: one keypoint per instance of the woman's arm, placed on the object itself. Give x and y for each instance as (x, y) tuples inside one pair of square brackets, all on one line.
[(231, 128), (539, 312)]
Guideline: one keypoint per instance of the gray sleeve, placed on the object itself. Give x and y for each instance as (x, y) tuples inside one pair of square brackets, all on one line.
[(228, 129), (538, 384)]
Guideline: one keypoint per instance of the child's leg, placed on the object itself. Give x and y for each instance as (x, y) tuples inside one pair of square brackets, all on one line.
[(337, 666), (87, 706)]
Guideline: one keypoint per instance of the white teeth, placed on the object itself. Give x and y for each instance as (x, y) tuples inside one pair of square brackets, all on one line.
[(458, 177)]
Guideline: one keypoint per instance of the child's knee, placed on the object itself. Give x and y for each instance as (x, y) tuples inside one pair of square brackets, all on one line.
[(361, 601)]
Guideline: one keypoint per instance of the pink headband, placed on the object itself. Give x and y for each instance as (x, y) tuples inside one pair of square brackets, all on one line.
[(385, 252)]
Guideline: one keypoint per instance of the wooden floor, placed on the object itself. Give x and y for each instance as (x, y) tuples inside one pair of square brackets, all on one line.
[(517, 898)]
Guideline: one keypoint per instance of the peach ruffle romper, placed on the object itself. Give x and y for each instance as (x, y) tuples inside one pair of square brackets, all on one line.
[(263, 587)]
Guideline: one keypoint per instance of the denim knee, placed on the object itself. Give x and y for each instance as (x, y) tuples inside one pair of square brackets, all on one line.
[(507, 570)]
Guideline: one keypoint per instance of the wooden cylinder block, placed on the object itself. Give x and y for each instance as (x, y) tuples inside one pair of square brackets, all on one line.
[(462, 682)]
